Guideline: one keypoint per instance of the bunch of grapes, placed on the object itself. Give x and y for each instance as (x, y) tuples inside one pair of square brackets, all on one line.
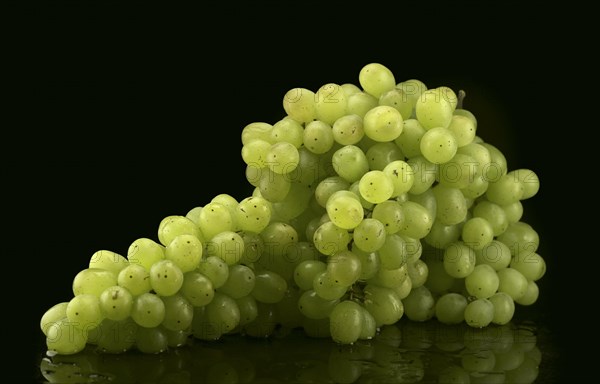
[(370, 203)]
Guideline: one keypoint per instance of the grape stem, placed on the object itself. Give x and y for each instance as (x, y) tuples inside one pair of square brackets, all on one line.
[(461, 97)]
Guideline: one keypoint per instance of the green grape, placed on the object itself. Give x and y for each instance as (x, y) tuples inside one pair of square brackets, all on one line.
[(438, 145), (498, 165), (477, 232), (313, 306), (346, 322), (369, 326), (520, 238), (327, 187), (531, 265), (381, 154), (483, 282), (282, 157), (531, 294), (466, 113), (390, 214), (479, 313), (348, 129), (350, 163), (459, 260), (376, 187), (494, 214), (528, 179), (514, 211), (64, 338), (215, 218), (54, 314), (288, 130), (136, 279), (397, 99), (145, 252), (393, 252), (355, 188), (418, 271), (178, 313), (151, 340), (248, 308), (255, 153), (409, 141), (185, 251), (175, 225), (197, 289), (256, 131), (438, 280), (202, 328), (108, 260), (93, 281), (505, 190), (329, 238), (166, 278), (376, 79), (383, 304), (344, 267), (450, 308), (414, 248), (369, 235), (390, 278), (412, 89), (360, 103), (441, 235), (432, 110), (476, 188), (253, 174), (226, 245), (417, 220), (495, 254), (299, 104), (305, 272), (116, 336), (419, 305), (504, 308), (512, 282), (318, 137), (148, 310), (463, 129), (327, 287), (274, 187), (223, 312), (253, 214), (269, 287), (116, 303), (448, 94), (294, 204), (383, 123), (330, 103), (369, 262), (404, 289), (177, 339), (240, 282), (424, 174), (402, 176), (458, 172), (426, 199), (215, 269), (350, 89), (451, 205), (344, 209), (483, 159)]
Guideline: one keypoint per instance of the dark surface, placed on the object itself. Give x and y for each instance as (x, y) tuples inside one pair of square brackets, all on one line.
[(134, 113)]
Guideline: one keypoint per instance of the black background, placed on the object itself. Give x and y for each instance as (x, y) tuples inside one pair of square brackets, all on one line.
[(132, 113)]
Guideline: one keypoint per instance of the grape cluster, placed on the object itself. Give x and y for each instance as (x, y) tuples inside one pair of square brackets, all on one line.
[(370, 203)]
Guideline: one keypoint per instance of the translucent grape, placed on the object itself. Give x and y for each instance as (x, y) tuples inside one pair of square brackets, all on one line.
[(215, 269), (441, 235), (288, 130), (53, 315), (151, 340), (390, 278), (166, 278), (253, 214), (419, 305), (381, 154), (350, 163), (328, 186), (520, 238), (299, 104), (417, 220), (240, 282), (531, 265), (330, 103), (269, 287), (458, 172), (383, 123), (402, 176), (329, 238), (64, 338), (369, 262), (477, 232), (145, 252), (109, 260), (175, 225), (390, 214), (418, 271), (255, 153), (383, 304), (116, 303), (282, 157), (115, 336), (348, 129), (326, 286), (450, 308), (479, 313), (512, 282), (314, 306), (256, 131), (409, 141), (531, 294), (346, 322), (483, 282), (505, 190), (438, 145), (248, 308), (345, 210), (459, 260), (185, 251), (148, 310), (495, 254), (529, 180), (376, 187), (432, 110), (226, 245), (360, 103), (197, 289), (514, 211), (84, 311), (344, 267), (493, 213), (504, 308), (393, 252), (305, 272), (178, 313), (93, 281), (463, 129), (376, 79), (136, 279), (397, 99), (451, 205), (369, 235)]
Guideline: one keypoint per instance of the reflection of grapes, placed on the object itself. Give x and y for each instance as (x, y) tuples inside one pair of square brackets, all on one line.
[(406, 352)]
